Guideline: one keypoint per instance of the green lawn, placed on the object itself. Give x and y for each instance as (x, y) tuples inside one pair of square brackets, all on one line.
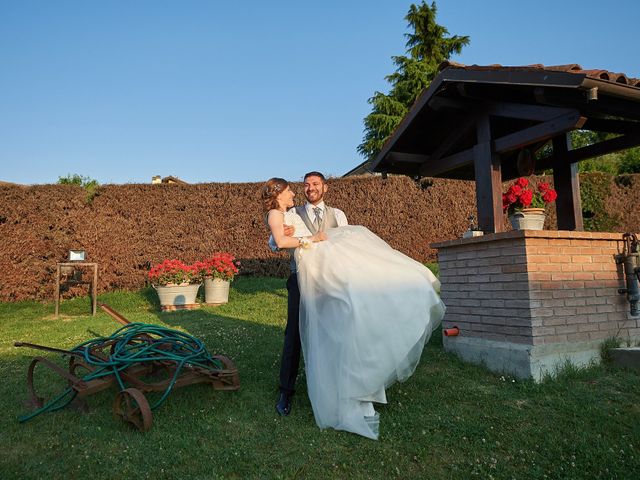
[(450, 420)]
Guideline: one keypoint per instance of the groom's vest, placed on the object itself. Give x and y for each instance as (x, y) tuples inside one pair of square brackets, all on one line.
[(328, 221)]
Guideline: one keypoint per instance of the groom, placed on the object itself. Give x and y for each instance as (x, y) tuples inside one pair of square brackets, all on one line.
[(317, 217)]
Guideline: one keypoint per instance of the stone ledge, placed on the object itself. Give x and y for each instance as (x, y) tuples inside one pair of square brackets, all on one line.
[(626, 357), (521, 360), (517, 234)]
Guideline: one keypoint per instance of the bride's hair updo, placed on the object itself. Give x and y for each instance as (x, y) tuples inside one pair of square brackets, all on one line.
[(270, 191)]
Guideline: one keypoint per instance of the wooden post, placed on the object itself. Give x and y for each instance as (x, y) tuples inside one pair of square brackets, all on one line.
[(567, 184), (57, 294), (94, 290), (488, 177)]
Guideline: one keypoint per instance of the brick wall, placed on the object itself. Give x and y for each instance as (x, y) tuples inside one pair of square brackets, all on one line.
[(556, 290)]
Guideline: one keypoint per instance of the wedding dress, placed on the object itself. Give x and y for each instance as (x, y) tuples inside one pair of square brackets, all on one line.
[(366, 312)]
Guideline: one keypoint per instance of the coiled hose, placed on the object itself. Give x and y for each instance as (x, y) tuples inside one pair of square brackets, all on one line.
[(135, 343)]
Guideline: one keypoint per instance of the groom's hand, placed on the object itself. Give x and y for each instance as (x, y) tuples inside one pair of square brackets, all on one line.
[(289, 230)]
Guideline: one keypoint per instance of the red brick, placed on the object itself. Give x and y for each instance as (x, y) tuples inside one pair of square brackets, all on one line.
[(588, 327), (585, 292), (606, 308), (514, 268), (540, 276), (554, 320), (544, 331), (561, 276), (555, 339), (563, 311), (604, 276), (548, 250), (592, 267), (575, 302), (563, 294), (572, 267), (583, 276), (586, 310), (578, 337)]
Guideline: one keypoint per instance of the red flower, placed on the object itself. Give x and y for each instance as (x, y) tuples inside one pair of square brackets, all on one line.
[(549, 196), (526, 197), (515, 190), (521, 195)]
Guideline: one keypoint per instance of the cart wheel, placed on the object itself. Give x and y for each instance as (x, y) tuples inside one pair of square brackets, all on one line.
[(131, 406), (226, 362), (227, 378)]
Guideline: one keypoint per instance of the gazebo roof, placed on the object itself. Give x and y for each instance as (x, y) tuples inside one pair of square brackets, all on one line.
[(528, 105)]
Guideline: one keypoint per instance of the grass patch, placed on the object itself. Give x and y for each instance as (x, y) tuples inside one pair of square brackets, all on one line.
[(450, 420)]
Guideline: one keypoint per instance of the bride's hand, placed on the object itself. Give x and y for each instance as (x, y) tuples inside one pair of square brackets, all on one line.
[(319, 237)]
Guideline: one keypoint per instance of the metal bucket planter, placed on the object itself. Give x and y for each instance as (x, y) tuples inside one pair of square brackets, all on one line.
[(528, 219), (176, 297), (216, 291)]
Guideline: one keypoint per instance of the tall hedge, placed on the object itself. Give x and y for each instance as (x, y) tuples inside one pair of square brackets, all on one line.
[(125, 228)]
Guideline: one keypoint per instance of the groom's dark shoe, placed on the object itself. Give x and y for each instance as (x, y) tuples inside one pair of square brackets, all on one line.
[(283, 407)]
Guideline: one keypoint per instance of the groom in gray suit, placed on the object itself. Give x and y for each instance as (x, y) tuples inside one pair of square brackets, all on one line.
[(317, 217)]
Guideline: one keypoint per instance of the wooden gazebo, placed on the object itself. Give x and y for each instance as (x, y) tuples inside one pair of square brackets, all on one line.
[(488, 123), (525, 301)]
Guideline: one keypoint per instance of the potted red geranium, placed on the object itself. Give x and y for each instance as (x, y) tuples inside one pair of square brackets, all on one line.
[(525, 206), (218, 272), (177, 284)]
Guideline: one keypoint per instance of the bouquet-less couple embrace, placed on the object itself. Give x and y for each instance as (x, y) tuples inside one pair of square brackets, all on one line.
[(360, 310)]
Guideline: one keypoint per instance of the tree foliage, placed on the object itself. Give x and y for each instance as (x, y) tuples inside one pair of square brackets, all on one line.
[(623, 162), (428, 45), (89, 184), (75, 179)]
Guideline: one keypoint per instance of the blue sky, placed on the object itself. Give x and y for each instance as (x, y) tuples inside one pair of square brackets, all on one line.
[(214, 91)]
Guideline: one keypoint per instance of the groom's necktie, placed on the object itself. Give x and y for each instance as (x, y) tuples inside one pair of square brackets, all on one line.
[(318, 220)]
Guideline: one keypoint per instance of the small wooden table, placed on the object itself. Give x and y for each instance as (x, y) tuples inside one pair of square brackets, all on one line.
[(93, 282)]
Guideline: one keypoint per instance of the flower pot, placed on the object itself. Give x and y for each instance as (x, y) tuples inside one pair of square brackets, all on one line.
[(216, 291), (181, 296), (528, 219)]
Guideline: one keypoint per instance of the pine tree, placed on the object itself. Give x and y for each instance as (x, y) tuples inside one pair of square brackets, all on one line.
[(428, 46)]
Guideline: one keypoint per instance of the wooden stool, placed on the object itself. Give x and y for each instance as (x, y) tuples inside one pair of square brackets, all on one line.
[(93, 282)]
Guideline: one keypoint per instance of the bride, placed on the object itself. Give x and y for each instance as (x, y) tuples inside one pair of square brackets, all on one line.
[(366, 312)]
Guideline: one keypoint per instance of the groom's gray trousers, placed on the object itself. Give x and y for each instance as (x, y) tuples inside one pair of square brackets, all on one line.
[(291, 349)]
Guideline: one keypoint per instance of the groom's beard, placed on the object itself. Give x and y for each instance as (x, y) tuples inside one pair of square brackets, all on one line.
[(314, 197)]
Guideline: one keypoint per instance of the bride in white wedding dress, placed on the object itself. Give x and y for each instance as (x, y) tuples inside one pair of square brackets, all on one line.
[(366, 312)]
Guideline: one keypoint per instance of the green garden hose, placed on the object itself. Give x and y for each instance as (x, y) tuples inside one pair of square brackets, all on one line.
[(135, 343)]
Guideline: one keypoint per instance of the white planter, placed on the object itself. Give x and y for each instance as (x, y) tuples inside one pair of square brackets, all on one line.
[(216, 291), (528, 219), (177, 294)]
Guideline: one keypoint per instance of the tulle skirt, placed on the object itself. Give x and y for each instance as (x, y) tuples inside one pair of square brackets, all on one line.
[(366, 313)]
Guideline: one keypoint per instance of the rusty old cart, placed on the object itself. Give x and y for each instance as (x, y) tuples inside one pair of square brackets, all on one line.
[(137, 359)]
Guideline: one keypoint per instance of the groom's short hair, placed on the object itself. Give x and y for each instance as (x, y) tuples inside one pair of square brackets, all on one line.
[(314, 174)]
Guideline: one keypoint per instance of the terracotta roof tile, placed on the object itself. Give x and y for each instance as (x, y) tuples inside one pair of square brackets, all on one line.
[(570, 68)]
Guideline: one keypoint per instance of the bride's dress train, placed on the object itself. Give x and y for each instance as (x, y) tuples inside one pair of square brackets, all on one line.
[(366, 312)]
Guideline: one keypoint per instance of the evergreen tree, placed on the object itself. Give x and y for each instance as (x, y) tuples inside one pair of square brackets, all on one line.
[(428, 46)]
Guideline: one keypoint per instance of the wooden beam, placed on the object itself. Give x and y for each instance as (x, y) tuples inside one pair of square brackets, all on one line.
[(488, 180), (393, 157), (442, 165), (438, 103), (611, 126), (454, 137), (540, 132), (567, 185), (528, 136), (597, 149), (525, 111)]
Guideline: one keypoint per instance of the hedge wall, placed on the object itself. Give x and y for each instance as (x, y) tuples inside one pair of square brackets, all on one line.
[(125, 228)]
